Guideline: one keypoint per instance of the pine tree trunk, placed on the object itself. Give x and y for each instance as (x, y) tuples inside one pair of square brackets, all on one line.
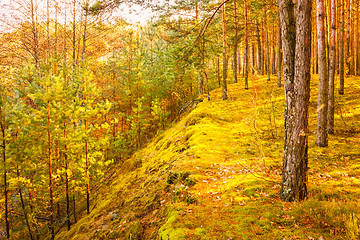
[(35, 33), (224, 84), (23, 206), (74, 34), (322, 109), (357, 53), (267, 50), (348, 34), (258, 39), (200, 77), (7, 224), (341, 53), (235, 63), (273, 71), (279, 64), (51, 227), (246, 54), (297, 92), (332, 69), (66, 182)]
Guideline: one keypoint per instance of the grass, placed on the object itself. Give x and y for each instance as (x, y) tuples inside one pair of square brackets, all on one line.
[(215, 175)]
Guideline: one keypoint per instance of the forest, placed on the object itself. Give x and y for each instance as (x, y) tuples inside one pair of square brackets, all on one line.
[(179, 119)]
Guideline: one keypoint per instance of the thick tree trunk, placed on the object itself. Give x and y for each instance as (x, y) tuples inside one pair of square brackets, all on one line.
[(246, 66), (341, 50), (297, 92), (332, 69), (224, 84), (235, 63), (322, 108)]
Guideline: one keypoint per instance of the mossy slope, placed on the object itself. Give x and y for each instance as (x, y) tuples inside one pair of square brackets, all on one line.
[(216, 173)]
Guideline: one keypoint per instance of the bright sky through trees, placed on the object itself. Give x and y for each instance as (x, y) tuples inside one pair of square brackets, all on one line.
[(10, 13)]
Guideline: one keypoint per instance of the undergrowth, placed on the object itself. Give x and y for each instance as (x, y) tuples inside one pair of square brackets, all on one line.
[(215, 175)]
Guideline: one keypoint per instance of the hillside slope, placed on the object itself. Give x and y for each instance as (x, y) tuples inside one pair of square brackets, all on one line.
[(215, 175)]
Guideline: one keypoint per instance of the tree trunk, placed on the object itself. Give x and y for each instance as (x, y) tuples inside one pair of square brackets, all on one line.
[(23, 206), (267, 48), (273, 70), (246, 67), (258, 39), (200, 77), (51, 227), (7, 224), (357, 53), (348, 42), (66, 182), (332, 69), (341, 53), (322, 108), (297, 92), (35, 34), (224, 84), (279, 64), (235, 45)]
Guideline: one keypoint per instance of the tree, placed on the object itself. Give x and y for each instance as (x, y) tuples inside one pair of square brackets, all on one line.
[(322, 109), (297, 54), (235, 50), (246, 62), (332, 67), (341, 50), (4, 160), (224, 84)]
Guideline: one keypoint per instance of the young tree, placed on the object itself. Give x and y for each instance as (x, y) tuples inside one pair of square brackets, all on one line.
[(297, 54), (322, 109), (4, 160)]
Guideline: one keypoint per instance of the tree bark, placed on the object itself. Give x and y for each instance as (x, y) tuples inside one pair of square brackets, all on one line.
[(357, 53), (246, 67), (258, 39), (235, 63), (279, 64), (51, 227), (297, 93), (224, 84), (341, 53), (7, 224), (332, 69), (322, 108), (348, 42)]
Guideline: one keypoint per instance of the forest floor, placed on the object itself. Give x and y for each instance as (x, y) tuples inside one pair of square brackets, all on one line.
[(215, 174)]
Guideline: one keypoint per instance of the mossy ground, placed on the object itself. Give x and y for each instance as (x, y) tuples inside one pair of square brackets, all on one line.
[(216, 174)]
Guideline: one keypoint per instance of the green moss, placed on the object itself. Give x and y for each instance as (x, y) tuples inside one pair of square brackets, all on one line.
[(216, 174)]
